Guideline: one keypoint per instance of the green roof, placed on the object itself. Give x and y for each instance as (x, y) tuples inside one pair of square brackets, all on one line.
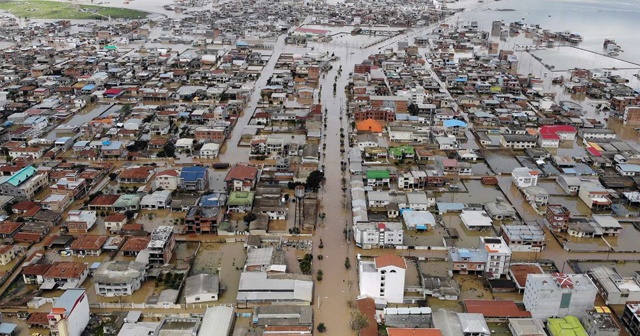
[(567, 326), (377, 174), (21, 176), (127, 200), (401, 150), (239, 198)]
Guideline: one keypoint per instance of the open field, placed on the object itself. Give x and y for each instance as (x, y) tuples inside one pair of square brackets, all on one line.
[(35, 9)]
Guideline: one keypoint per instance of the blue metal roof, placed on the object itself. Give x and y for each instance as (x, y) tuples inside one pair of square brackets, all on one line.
[(7, 328), (454, 123), (21, 176), (194, 173), (88, 87)]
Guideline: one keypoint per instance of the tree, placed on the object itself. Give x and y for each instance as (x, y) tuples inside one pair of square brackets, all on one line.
[(314, 180), (113, 176), (319, 275), (347, 263), (250, 217), (413, 109), (129, 214), (321, 327), (358, 321)]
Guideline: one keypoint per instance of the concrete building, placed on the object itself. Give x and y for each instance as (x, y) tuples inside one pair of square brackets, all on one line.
[(383, 278), (23, 184), (500, 210), (69, 315), (558, 294), (600, 322), (613, 286), (497, 254), (524, 177), (167, 180), (376, 235), (259, 288), (473, 324), (81, 221), (524, 238), (631, 116), (119, 278), (631, 317), (476, 220), (160, 248), (594, 195), (195, 178)]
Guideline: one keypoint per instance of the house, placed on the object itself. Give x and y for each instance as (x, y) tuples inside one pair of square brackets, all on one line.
[(119, 278), (240, 201), (167, 179), (370, 235), (69, 314), (615, 288), (6, 254), (114, 222), (377, 178), (274, 208), (628, 169), (492, 257), (136, 175), (159, 199), (559, 294), (594, 195), (241, 178), (515, 141), (284, 315), (366, 140), (194, 178), (476, 220), (184, 145), (64, 275), (161, 245), (536, 196), (608, 225), (383, 278), (201, 288), (8, 329), (127, 202), (8, 229), (56, 202), (203, 220), (81, 221), (500, 210), (72, 185), (567, 325), (23, 184), (524, 177), (418, 220), (526, 327), (88, 245), (209, 151), (524, 238), (133, 245), (600, 321)]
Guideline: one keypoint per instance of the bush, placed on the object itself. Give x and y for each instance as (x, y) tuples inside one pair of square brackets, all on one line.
[(321, 327), (320, 257)]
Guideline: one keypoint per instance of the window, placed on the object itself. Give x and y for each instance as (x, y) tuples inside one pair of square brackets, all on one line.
[(565, 301)]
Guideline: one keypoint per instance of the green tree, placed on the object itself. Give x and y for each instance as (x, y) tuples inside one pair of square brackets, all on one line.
[(321, 327), (358, 321), (250, 217), (347, 263), (314, 180)]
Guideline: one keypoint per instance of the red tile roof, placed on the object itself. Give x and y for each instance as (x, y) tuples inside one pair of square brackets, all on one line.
[(9, 227), (36, 269), (136, 173), (104, 200), (413, 332), (241, 172), (89, 242), (66, 270), (169, 172), (390, 260), (135, 244), (24, 206), (368, 307), (116, 217)]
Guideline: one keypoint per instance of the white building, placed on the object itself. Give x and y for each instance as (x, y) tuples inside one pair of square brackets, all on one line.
[(375, 235), (167, 179), (614, 287), (497, 254), (69, 315), (209, 150), (119, 278), (524, 177), (559, 295), (383, 278), (159, 199), (201, 288), (476, 219)]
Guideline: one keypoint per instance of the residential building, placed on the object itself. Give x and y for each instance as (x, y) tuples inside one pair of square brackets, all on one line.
[(606, 224), (383, 278), (23, 184), (524, 238), (631, 116), (6, 254), (242, 178), (377, 178), (628, 169), (201, 288), (557, 217), (497, 254), (119, 278), (114, 222), (136, 175), (588, 134), (81, 221), (476, 219), (600, 322), (72, 185), (558, 294), (536, 196), (515, 141), (418, 220), (194, 178), (161, 246), (209, 151), (167, 180), (56, 202), (500, 210), (594, 195), (631, 317), (377, 235), (240, 201), (69, 315), (88, 245), (615, 288), (159, 199), (524, 177), (64, 275), (203, 220)]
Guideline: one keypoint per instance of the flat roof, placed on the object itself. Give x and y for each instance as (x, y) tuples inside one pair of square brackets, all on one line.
[(495, 308), (217, 321)]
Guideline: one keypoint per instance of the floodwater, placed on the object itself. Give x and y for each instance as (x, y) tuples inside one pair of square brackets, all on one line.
[(565, 58), (501, 161)]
